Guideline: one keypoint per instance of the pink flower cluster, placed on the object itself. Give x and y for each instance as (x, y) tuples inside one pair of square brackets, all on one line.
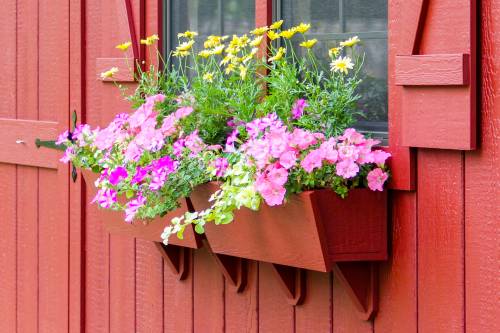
[(275, 151)]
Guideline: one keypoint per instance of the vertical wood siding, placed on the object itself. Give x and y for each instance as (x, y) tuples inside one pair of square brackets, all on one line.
[(442, 275)]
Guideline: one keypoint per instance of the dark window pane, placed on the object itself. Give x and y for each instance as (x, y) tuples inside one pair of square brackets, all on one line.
[(323, 15), (238, 16), (363, 15)]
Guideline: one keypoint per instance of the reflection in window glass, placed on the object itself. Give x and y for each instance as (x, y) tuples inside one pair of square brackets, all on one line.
[(335, 20)]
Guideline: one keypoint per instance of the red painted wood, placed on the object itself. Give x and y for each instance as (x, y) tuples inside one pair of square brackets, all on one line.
[(53, 102), (345, 315), (27, 177), (482, 193), (316, 228), (241, 309), (398, 276), (125, 68), (208, 291), (18, 140), (433, 70), (8, 188), (76, 213), (149, 288), (440, 241), (177, 301), (315, 313), (402, 22), (275, 314), (292, 282), (444, 117)]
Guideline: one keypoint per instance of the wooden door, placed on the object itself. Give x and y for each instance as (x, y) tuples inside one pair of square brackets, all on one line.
[(34, 186)]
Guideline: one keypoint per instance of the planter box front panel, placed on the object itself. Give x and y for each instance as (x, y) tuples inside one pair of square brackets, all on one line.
[(312, 230), (151, 230)]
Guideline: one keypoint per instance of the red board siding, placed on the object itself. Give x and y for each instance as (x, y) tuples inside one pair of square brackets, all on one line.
[(442, 275)]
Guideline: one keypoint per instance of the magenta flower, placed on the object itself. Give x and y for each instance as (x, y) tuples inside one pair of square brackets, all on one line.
[(133, 206), (105, 198), (117, 175), (178, 146), (140, 174), (221, 164), (298, 108), (376, 179), (63, 137), (347, 169)]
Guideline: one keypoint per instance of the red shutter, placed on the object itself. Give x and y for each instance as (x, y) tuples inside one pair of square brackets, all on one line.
[(122, 21), (435, 72)]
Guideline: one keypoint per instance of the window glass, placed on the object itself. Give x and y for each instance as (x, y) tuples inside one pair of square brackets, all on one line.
[(211, 17), (335, 20)]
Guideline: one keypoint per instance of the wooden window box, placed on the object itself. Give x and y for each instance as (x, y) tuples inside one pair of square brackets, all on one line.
[(313, 230), (148, 230)]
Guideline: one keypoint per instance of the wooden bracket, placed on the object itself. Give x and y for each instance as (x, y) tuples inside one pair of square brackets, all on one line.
[(234, 269), (360, 280), (176, 257), (292, 281)]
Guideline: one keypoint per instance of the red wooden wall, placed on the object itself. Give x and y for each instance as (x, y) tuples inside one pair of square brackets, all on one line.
[(60, 272)]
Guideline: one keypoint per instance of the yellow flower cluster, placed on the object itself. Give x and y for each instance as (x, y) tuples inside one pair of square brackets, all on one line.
[(150, 40), (124, 46), (342, 64)]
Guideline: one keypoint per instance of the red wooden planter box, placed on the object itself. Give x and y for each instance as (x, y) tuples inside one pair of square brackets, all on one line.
[(151, 230), (312, 230)]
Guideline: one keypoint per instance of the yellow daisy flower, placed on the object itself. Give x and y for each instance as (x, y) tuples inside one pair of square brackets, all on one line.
[(281, 52), (227, 59), (288, 33), (342, 65), (187, 34), (259, 31), (230, 68), (272, 35), (303, 28), (309, 43), (109, 73), (243, 72), (218, 49), (209, 77), (186, 46), (276, 25), (256, 41), (180, 54), (334, 51), (150, 40), (350, 42), (124, 47), (205, 53)]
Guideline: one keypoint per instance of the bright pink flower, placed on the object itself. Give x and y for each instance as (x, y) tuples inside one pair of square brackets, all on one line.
[(302, 139), (273, 194), (140, 174), (221, 164), (347, 169), (133, 206), (254, 128), (63, 137), (348, 152), (194, 143), (313, 160), (81, 131), (116, 176), (380, 156), (328, 151), (183, 112), (144, 112), (278, 139), (277, 175), (259, 150), (288, 159), (178, 146), (352, 136), (376, 179), (298, 108)]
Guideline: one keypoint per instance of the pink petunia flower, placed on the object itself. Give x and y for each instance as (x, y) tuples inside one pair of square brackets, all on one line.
[(380, 156), (105, 198), (133, 206), (183, 112), (302, 139), (288, 159), (273, 194), (347, 169), (277, 175), (376, 179), (221, 164), (328, 151), (313, 160)]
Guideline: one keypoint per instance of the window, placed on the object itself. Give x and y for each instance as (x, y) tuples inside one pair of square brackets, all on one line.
[(331, 22), (207, 17), (335, 20)]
